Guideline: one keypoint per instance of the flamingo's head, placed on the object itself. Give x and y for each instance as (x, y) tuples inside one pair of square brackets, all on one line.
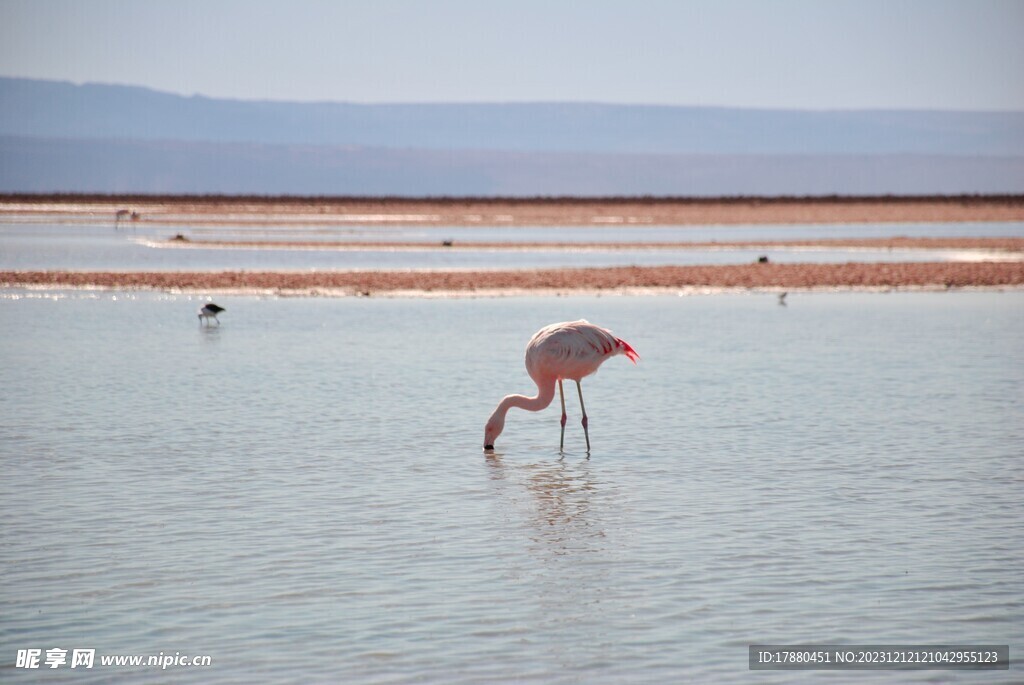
[(493, 429)]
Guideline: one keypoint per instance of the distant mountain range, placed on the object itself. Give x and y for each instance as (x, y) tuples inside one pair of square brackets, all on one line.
[(57, 136)]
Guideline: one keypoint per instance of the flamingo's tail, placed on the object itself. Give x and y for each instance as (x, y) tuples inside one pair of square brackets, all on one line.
[(627, 350)]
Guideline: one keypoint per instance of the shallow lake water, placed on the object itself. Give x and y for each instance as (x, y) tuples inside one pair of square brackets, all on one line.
[(28, 246), (300, 493)]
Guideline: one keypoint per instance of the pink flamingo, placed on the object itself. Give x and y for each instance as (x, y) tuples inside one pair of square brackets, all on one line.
[(572, 349)]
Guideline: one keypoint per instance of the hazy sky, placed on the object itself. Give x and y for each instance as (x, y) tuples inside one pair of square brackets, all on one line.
[(950, 54)]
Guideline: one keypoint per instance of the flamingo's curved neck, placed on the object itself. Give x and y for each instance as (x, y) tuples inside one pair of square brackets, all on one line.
[(545, 393)]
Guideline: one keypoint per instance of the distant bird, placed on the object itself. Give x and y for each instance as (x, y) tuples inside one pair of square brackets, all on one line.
[(782, 298), (209, 311), (572, 350)]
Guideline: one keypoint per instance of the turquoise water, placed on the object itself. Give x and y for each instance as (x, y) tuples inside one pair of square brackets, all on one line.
[(300, 493)]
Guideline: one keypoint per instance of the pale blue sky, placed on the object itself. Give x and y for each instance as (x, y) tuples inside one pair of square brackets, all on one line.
[(817, 54)]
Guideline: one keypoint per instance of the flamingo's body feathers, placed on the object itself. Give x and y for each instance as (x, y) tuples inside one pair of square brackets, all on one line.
[(572, 350)]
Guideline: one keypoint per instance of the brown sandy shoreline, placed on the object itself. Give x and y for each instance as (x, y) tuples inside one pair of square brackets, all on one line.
[(567, 212), (570, 211), (747, 276)]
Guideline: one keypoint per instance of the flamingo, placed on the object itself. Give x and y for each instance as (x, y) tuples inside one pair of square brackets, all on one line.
[(209, 311), (571, 349)]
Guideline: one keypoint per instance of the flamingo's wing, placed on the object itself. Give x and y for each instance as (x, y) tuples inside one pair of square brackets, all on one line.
[(627, 350), (573, 349)]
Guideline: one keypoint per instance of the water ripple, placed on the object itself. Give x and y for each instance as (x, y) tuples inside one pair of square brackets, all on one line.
[(301, 493)]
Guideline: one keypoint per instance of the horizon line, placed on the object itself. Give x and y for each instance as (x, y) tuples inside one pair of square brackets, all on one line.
[(824, 198), (523, 102)]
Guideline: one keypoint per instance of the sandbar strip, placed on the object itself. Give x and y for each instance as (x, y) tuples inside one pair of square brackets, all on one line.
[(542, 211), (772, 276)]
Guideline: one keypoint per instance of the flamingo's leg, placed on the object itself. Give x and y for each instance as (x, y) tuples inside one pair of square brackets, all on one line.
[(561, 394), (586, 433)]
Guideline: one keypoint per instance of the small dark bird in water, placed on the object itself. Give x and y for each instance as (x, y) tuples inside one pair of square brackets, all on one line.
[(209, 311), (763, 259), (782, 298)]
